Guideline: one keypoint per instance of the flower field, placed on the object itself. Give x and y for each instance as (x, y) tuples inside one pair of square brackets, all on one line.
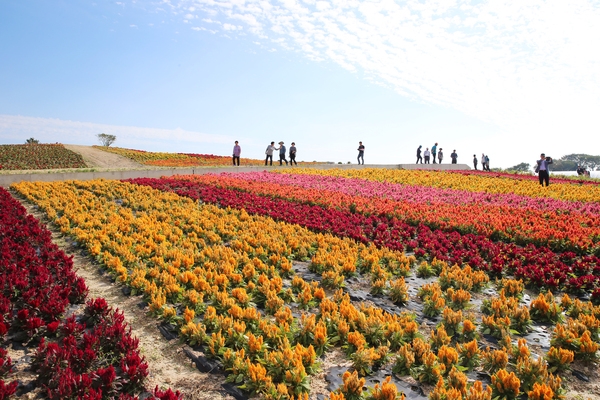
[(38, 156), (160, 159), (86, 354), (444, 281)]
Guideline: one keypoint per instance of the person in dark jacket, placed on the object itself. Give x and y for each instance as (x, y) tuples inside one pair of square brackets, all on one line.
[(543, 169), (419, 158), (454, 156), (282, 154), (293, 154)]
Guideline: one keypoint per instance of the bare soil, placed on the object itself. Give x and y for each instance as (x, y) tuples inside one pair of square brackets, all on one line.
[(94, 157), (168, 365)]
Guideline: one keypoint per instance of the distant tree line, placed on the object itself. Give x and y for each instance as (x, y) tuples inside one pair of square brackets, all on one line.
[(565, 163)]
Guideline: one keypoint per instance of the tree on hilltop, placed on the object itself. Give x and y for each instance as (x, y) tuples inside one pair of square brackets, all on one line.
[(32, 141), (105, 139)]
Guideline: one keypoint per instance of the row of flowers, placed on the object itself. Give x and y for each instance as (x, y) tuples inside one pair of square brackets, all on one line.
[(538, 266), (578, 180), (470, 182), (173, 252), (88, 356), (38, 156), (206, 269), (163, 159), (415, 193), (556, 228)]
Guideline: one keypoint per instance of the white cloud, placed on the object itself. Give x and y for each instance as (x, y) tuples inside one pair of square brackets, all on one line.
[(230, 27), (520, 65), (16, 129), (133, 26)]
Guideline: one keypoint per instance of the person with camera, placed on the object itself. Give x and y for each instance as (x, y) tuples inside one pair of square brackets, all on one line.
[(543, 169)]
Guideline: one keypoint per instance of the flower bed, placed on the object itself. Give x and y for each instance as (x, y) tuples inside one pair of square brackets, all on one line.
[(92, 355), (38, 156), (539, 266), (226, 279), (486, 183), (163, 159), (560, 225)]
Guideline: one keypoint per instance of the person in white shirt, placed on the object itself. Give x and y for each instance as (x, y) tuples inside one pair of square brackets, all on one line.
[(269, 152), (427, 154)]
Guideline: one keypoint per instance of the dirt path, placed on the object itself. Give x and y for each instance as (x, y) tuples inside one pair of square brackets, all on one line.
[(102, 159), (168, 365)]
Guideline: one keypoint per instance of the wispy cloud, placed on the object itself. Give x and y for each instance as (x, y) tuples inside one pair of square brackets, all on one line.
[(16, 129), (515, 64)]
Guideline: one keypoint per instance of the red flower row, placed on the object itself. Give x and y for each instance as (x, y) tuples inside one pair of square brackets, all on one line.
[(537, 265), (524, 177), (92, 358)]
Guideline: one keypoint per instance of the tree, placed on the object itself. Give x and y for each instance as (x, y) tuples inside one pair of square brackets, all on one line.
[(523, 167), (106, 139), (32, 141), (589, 162), (563, 165)]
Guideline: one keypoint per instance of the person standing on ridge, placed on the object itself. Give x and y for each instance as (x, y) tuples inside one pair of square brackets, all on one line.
[(440, 155), (361, 153), (426, 154), (293, 154), (419, 158), (475, 161), (237, 151), (453, 156), (487, 163), (282, 154), (269, 152), (434, 152), (543, 169)]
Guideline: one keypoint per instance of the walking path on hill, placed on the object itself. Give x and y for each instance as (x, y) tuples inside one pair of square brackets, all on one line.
[(94, 157)]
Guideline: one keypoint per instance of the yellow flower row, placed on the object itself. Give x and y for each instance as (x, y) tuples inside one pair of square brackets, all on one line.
[(143, 156), (471, 183), (176, 251)]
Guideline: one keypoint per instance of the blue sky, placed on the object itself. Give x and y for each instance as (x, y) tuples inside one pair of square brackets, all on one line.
[(508, 80)]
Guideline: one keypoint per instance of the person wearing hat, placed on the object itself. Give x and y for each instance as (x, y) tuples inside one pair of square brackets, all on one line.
[(543, 169), (269, 152), (293, 154), (440, 155), (453, 156), (282, 154)]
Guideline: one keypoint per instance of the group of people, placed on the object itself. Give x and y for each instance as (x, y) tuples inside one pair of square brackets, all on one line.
[(435, 153), (271, 149), (485, 162), (237, 151), (582, 171)]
